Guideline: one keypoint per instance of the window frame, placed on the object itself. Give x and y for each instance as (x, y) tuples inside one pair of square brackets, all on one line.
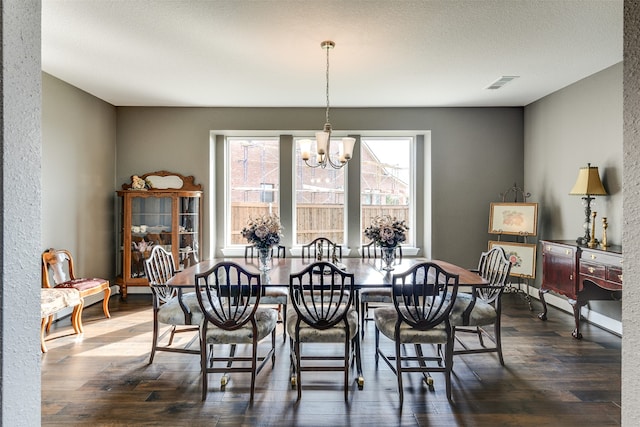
[(420, 187)]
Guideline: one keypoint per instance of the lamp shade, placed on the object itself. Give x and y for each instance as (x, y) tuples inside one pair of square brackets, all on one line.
[(588, 182)]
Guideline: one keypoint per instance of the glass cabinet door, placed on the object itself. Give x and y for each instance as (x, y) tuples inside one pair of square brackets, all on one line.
[(188, 231), (151, 225)]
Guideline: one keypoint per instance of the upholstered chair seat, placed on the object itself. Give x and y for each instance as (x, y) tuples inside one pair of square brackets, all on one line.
[(335, 334), (266, 319), (482, 313), (386, 319)]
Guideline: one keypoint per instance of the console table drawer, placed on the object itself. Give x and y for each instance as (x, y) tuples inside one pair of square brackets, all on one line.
[(614, 274), (600, 257), (595, 270)]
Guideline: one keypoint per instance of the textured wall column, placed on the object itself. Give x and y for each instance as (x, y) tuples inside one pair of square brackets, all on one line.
[(20, 147), (631, 216)]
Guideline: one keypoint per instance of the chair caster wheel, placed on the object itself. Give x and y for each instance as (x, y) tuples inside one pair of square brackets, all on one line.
[(223, 381), (360, 383)]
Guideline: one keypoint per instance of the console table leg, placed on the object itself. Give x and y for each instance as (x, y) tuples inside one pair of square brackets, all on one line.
[(576, 315), (543, 315)]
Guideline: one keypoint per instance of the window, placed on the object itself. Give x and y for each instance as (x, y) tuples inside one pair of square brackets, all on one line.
[(388, 175), (252, 179), (385, 182), (319, 202)]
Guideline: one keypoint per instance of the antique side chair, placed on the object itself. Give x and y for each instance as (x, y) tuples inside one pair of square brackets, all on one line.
[(229, 298)]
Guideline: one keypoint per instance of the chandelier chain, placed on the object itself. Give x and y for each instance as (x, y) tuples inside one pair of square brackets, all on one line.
[(327, 86)]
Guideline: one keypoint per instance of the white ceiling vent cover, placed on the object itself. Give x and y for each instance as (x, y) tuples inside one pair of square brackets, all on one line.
[(501, 82)]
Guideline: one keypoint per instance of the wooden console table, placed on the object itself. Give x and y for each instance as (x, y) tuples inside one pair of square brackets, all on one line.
[(581, 274)]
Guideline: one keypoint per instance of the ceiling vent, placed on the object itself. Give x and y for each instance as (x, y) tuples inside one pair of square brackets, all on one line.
[(501, 82)]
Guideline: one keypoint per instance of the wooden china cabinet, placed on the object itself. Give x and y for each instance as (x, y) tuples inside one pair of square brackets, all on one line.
[(157, 208)]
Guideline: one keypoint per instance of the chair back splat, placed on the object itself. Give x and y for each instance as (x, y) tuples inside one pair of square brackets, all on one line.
[(322, 249)]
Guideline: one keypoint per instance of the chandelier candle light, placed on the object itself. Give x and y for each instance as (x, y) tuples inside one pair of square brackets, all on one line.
[(322, 152), (588, 184)]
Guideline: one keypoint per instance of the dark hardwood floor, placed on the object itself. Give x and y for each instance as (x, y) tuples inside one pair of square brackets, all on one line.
[(550, 379)]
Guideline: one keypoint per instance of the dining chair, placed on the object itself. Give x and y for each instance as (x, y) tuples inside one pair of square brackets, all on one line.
[(229, 298), (276, 295), (170, 305), (279, 251), (369, 296), (482, 308), (323, 312), (58, 272), (372, 251), (322, 249), (423, 297)]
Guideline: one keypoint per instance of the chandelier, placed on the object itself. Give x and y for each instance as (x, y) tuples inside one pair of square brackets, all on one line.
[(322, 148)]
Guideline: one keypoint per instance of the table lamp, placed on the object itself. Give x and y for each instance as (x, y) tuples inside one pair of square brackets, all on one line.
[(588, 184)]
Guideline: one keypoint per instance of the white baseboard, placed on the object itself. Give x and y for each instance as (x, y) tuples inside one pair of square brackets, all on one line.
[(593, 317)]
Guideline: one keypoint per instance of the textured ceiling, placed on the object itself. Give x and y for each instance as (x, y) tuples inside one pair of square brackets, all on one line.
[(237, 53)]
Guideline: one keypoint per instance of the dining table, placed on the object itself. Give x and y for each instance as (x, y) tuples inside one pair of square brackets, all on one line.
[(368, 273)]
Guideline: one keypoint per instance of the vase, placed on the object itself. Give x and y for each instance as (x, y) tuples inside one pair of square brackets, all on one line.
[(388, 255), (264, 258)]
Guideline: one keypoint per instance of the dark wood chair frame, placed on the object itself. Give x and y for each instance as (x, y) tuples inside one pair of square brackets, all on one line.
[(229, 297), (322, 296), (160, 267), (495, 267), (423, 297), (371, 251), (321, 249), (281, 252)]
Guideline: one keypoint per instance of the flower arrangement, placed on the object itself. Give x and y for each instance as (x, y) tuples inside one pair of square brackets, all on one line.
[(263, 232), (387, 231)]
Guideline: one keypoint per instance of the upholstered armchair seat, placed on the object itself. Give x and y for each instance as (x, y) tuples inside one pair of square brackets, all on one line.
[(482, 313), (53, 300), (333, 334), (82, 284), (386, 318), (266, 319), (375, 295), (171, 312)]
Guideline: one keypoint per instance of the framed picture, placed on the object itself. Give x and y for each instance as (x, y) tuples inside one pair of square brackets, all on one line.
[(522, 257), (514, 218)]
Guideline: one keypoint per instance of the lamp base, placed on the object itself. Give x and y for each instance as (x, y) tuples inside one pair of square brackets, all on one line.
[(582, 241)]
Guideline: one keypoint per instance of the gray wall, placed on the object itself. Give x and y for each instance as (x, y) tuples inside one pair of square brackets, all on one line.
[(477, 153), (78, 176), (564, 131)]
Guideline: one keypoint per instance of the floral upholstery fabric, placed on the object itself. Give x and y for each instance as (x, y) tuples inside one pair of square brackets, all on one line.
[(482, 314), (53, 300), (375, 295), (275, 295), (266, 319), (171, 313), (82, 284), (334, 334), (386, 318)]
